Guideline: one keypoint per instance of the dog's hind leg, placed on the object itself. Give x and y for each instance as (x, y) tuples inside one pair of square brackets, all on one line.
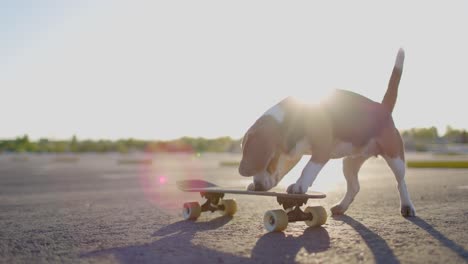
[(397, 164), (351, 166), (394, 154)]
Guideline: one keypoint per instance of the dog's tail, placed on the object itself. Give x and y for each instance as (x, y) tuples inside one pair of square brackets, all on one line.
[(390, 97)]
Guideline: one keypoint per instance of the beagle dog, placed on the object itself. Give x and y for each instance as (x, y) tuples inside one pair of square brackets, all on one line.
[(344, 125)]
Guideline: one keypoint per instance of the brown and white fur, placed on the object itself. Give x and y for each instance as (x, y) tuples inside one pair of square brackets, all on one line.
[(345, 125)]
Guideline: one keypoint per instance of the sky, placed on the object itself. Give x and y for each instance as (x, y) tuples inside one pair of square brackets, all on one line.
[(166, 69)]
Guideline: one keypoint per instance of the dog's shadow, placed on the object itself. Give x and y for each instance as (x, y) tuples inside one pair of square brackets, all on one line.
[(279, 248), (379, 247), (173, 245), (440, 237), (381, 250)]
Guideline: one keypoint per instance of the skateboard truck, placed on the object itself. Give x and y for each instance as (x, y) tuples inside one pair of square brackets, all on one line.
[(296, 214), (288, 203), (212, 202)]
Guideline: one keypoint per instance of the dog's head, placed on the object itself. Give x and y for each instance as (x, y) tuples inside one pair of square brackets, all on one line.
[(263, 147), (259, 146), (261, 152)]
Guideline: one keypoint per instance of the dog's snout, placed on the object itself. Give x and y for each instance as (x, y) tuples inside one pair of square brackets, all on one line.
[(243, 171), (246, 170), (258, 186)]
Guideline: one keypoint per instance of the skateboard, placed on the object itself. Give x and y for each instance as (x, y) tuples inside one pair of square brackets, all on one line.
[(273, 220)]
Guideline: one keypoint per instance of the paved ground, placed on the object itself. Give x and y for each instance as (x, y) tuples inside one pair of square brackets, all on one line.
[(99, 211)]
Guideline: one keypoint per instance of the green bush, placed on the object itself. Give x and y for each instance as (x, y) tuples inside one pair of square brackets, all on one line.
[(449, 164)]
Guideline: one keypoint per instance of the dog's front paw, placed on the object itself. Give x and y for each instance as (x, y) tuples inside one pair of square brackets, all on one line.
[(338, 209), (251, 187), (408, 211), (296, 188)]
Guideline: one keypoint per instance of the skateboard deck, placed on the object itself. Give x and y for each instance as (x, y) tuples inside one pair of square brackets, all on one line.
[(274, 220), (208, 187)]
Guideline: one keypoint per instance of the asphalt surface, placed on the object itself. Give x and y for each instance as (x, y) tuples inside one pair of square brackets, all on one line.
[(113, 209)]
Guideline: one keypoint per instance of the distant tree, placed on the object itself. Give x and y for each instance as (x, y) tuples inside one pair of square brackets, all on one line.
[(422, 134), (456, 135), (122, 147), (43, 145), (74, 144), (464, 137), (22, 144)]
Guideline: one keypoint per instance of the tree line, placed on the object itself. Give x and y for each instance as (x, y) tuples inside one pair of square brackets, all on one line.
[(414, 138), (431, 135), (185, 144)]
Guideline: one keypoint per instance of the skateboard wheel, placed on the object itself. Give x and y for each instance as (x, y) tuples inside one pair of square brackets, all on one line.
[(230, 207), (191, 211), (275, 220), (319, 215)]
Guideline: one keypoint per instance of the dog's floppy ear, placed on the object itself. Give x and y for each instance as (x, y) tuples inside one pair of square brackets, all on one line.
[(259, 146)]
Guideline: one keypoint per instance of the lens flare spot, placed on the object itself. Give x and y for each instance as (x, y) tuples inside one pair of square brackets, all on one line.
[(158, 181), (162, 180)]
